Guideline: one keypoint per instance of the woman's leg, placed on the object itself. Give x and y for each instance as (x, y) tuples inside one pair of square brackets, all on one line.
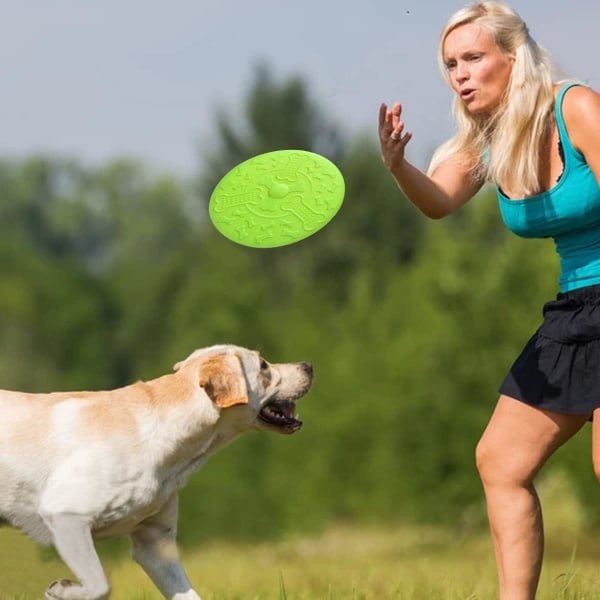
[(517, 442), (596, 443)]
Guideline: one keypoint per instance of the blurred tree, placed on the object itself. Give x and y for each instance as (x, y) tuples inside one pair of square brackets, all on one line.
[(277, 116), (113, 273), (374, 226), (42, 200)]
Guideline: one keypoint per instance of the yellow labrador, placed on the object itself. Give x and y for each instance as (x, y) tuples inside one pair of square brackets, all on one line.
[(80, 466)]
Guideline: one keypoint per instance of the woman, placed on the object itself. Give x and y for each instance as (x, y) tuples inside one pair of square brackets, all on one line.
[(538, 141)]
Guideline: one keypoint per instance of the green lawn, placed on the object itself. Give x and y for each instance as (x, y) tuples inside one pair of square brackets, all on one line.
[(407, 563)]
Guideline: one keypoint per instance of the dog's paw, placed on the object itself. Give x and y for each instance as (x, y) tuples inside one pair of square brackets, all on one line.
[(69, 590), (62, 590)]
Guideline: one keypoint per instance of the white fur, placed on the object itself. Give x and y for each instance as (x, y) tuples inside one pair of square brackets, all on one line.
[(80, 466)]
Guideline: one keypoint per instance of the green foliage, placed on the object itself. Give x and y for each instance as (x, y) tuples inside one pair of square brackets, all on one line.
[(112, 274)]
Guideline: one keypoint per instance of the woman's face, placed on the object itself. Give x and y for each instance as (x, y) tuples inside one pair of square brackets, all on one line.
[(479, 70)]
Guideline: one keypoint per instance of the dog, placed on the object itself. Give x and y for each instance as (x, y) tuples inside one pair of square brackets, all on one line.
[(76, 467)]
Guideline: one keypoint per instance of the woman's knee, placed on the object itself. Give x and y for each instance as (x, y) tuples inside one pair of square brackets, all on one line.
[(485, 460), (497, 466)]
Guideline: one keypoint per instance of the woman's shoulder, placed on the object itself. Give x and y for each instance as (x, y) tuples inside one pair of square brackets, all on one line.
[(581, 113), (579, 101)]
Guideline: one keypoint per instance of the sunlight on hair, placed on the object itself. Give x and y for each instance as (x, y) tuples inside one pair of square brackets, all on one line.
[(504, 148)]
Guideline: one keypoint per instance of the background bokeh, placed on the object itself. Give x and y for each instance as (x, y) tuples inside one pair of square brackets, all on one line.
[(118, 120)]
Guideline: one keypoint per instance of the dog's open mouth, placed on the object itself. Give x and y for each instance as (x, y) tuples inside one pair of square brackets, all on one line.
[(281, 414)]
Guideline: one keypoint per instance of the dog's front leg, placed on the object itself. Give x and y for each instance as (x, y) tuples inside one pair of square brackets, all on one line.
[(73, 541), (155, 550)]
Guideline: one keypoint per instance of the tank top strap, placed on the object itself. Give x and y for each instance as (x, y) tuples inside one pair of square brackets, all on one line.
[(560, 122)]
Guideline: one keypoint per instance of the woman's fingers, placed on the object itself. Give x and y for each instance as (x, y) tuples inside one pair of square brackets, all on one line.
[(389, 119), (382, 115), (396, 111), (391, 134)]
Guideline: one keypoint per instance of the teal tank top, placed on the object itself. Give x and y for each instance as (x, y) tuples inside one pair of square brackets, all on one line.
[(569, 212)]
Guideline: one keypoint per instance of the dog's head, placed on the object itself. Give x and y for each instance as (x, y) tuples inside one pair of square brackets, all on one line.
[(232, 376)]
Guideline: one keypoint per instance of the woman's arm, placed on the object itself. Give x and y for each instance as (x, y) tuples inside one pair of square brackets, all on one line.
[(436, 196)]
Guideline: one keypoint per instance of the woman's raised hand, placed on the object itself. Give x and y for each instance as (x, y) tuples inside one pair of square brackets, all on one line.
[(392, 138)]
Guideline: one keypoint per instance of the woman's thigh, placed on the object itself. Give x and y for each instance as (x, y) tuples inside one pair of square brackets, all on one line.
[(519, 438)]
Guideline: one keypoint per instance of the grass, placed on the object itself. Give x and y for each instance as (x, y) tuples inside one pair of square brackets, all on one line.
[(344, 563)]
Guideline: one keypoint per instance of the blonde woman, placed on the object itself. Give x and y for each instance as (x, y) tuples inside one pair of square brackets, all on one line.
[(537, 139)]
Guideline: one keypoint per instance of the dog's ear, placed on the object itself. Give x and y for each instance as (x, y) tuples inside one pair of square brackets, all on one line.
[(222, 378), (191, 357)]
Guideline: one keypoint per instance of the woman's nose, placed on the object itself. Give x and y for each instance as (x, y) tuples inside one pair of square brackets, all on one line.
[(461, 72)]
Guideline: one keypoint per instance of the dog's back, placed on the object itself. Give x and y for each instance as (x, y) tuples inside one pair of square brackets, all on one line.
[(75, 466)]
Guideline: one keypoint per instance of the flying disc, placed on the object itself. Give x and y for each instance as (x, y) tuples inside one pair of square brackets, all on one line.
[(276, 198)]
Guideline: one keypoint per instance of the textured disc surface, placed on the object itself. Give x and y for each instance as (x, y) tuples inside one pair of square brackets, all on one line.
[(277, 198)]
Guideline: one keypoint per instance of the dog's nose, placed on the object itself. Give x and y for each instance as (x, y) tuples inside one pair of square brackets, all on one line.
[(307, 368)]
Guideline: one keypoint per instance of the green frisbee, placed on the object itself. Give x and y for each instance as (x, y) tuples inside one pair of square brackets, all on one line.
[(277, 198)]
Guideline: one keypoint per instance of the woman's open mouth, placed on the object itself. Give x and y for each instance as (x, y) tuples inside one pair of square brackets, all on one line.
[(467, 94)]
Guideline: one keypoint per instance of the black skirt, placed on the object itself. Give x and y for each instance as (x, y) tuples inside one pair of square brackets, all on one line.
[(559, 368)]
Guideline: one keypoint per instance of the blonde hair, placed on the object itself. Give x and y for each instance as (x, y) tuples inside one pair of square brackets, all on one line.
[(504, 147)]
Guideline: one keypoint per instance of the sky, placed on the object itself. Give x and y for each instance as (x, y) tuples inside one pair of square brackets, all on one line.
[(98, 80)]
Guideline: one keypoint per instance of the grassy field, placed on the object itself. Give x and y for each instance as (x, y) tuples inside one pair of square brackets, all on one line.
[(400, 563)]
